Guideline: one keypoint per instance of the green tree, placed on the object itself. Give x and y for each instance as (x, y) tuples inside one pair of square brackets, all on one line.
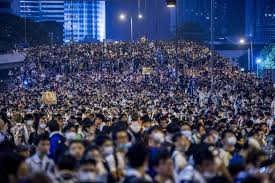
[(268, 56)]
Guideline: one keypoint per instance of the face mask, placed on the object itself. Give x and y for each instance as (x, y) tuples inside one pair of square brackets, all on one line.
[(87, 176), (108, 150), (145, 129), (135, 127), (124, 147), (43, 125), (70, 135), (29, 122), (187, 134), (208, 175), (216, 138), (232, 141), (158, 137)]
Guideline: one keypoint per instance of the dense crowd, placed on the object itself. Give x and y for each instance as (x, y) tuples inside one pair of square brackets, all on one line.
[(133, 113)]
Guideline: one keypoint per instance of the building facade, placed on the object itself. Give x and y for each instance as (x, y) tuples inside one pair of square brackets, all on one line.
[(52, 10), (199, 12), (84, 20), (30, 9), (5, 6), (42, 10), (260, 20)]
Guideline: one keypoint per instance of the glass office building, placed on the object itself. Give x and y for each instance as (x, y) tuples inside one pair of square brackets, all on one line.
[(84, 20), (42, 10), (52, 10), (260, 20), (30, 9)]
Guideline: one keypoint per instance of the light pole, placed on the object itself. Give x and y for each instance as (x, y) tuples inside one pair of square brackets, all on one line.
[(122, 17), (172, 4), (212, 46), (250, 53), (258, 62)]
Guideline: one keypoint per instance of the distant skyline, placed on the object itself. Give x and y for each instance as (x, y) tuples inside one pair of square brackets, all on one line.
[(253, 19)]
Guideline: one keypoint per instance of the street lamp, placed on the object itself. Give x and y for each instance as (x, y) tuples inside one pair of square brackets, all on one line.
[(172, 4), (258, 62), (140, 16), (242, 41), (122, 17), (250, 51)]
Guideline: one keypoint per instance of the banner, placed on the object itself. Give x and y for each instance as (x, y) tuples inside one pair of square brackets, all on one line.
[(147, 70), (49, 98)]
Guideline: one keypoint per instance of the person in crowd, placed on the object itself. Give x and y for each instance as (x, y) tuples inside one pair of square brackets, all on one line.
[(137, 166), (40, 162), (66, 169), (135, 128), (118, 111), (57, 140), (76, 148), (164, 167), (4, 134)]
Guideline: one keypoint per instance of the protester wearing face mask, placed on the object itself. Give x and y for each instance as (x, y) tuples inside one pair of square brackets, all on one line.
[(21, 131), (181, 146), (115, 160), (89, 130), (203, 170), (40, 129), (87, 171), (164, 167), (4, 134), (106, 145), (229, 142), (66, 169), (102, 168), (135, 129), (156, 138)]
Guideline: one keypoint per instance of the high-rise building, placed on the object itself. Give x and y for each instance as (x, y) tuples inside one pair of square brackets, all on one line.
[(5, 6), (30, 9), (42, 10), (52, 10), (260, 20), (199, 12), (84, 20)]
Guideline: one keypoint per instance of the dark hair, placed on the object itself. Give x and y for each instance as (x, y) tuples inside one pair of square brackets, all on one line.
[(90, 148), (135, 116), (225, 132), (153, 128), (176, 136), (117, 130), (201, 154), (87, 160), (140, 150), (101, 139), (173, 128), (100, 116), (66, 162), (249, 123), (9, 165), (254, 155), (68, 127), (42, 137), (53, 126), (76, 142), (162, 154)]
